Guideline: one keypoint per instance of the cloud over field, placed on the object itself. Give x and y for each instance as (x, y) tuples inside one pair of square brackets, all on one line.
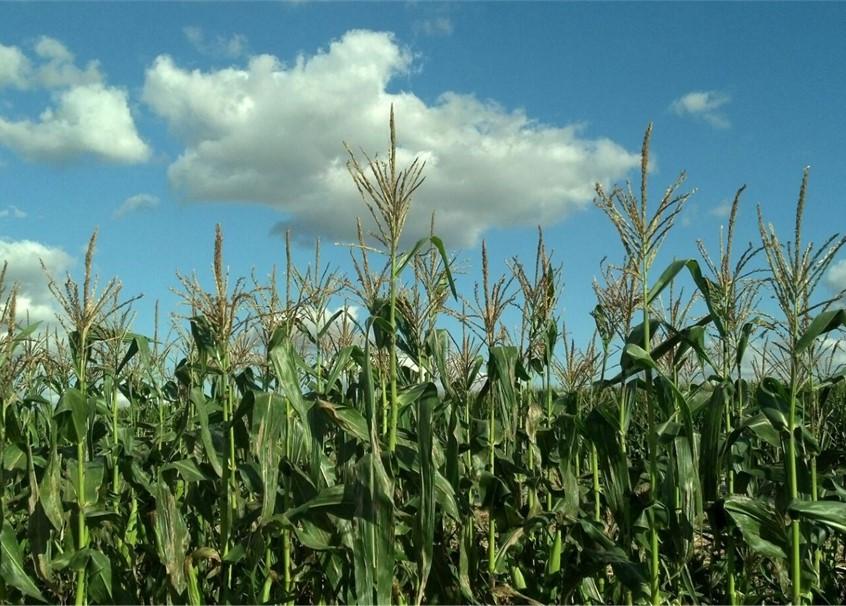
[(86, 116), (24, 269), (272, 132)]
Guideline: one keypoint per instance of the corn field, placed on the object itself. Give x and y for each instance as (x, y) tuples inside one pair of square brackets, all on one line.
[(274, 448)]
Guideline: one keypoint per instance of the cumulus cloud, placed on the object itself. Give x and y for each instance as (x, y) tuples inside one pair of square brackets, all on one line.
[(86, 117), (14, 67), (24, 269), (219, 46), (12, 212), (835, 277), (704, 105), (135, 203), (272, 133)]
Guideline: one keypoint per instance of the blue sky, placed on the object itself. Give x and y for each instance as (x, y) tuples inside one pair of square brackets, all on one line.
[(194, 114)]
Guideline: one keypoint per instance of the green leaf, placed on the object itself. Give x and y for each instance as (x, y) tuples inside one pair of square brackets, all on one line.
[(761, 526), (492, 491), (823, 323), (72, 413), (710, 463), (188, 469), (94, 473), (830, 513), (405, 258), (701, 282), (347, 418), (373, 532), (11, 564), (282, 358), (340, 363), (426, 513), (203, 334), (138, 345), (268, 420), (100, 577), (201, 405), (330, 498)]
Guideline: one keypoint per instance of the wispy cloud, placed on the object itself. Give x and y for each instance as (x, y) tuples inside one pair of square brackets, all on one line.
[(704, 105), (435, 26), (721, 210), (219, 46), (12, 212), (136, 203)]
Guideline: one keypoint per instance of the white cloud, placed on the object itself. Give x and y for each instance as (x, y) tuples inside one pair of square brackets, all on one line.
[(704, 105), (220, 46), (272, 133), (14, 67), (12, 212), (436, 26), (24, 269), (59, 69), (87, 117), (835, 277), (136, 202)]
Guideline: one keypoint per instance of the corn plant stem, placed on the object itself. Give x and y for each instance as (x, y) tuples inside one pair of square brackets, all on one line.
[(813, 458), (286, 562), (385, 405), (532, 491), (161, 424), (319, 366), (392, 320), (655, 563), (467, 433), (232, 469), (492, 467), (548, 396), (115, 475), (795, 560), (81, 597), (622, 419), (286, 533), (814, 497), (3, 598), (730, 563), (227, 499), (594, 463), (268, 578)]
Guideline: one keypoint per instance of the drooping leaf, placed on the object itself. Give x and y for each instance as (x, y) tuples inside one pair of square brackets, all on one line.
[(72, 413), (201, 404), (762, 528), (704, 285), (823, 323), (830, 513), (171, 535), (50, 490), (346, 418), (189, 470), (11, 564), (268, 420)]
